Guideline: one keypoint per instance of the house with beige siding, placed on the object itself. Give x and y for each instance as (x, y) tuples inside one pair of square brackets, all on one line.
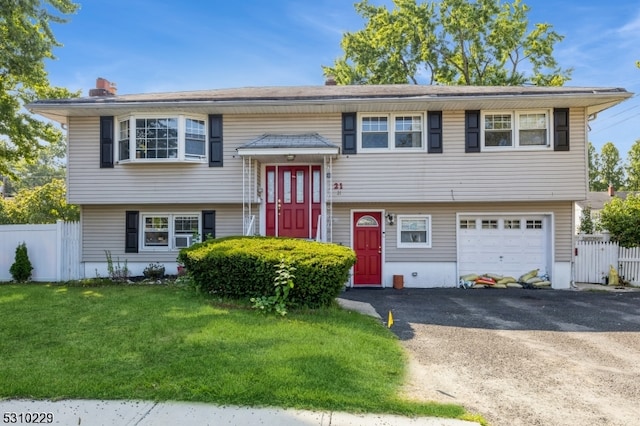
[(427, 182)]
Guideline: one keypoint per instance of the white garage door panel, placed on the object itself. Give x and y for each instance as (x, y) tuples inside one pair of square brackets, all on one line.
[(510, 250)]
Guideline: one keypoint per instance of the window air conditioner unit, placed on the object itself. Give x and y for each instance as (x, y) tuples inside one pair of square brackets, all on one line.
[(182, 241)]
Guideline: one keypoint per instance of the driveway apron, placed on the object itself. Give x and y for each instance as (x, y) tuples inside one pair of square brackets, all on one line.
[(520, 357)]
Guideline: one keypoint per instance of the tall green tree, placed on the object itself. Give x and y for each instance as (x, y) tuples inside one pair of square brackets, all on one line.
[(622, 219), (43, 204), (586, 222), (482, 42), (612, 169), (49, 163), (633, 167), (27, 41), (594, 169)]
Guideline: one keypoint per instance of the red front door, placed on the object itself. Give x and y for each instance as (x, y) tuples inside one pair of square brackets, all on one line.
[(293, 199), (367, 242)]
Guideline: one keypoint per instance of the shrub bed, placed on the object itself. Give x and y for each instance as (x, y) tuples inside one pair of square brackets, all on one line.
[(245, 267)]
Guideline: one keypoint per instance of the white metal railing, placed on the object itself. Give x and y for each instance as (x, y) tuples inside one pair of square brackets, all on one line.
[(248, 228), (319, 229)]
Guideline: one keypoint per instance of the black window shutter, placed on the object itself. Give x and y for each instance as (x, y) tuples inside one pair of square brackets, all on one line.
[(472, 131), (561, 129), (215, 140), (131, 232), (106, 142), (349, 133), (434, 127), (208, 224)]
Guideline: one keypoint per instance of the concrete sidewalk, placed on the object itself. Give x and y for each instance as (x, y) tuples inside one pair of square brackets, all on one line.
[(144, 413)]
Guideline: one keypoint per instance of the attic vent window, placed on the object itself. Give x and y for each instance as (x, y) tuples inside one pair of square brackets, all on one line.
[(161, 139)]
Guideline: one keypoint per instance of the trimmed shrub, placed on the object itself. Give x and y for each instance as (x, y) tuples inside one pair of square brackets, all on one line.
[(21, 268), (245, 267)]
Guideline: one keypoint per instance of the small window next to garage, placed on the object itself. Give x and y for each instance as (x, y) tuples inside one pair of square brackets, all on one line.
[(414, 231), (534, 224)]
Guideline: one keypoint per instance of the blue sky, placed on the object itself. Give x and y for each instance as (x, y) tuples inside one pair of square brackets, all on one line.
[(154, 46)]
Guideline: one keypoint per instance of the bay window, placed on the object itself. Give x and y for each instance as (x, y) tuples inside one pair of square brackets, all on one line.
[(167, 138)]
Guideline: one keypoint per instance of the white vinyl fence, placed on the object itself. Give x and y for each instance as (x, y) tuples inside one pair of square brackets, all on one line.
[(594, 258), (54, 250)]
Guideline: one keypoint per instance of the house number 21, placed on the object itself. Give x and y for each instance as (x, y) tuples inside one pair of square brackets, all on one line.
[(337, 186)]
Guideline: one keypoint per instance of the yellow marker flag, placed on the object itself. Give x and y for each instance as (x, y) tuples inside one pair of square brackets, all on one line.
[(390, 320)]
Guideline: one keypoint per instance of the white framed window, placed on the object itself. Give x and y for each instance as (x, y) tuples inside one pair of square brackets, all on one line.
[(166, 232), (195, 137), (375, 132), (534, 224), (384, 132), (489, 224), (414, 231), (511, 224), (516, 129), (467, 224), (169, 138)]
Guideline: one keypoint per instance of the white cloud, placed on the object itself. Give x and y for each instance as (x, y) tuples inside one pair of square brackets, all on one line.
[(631, 28)]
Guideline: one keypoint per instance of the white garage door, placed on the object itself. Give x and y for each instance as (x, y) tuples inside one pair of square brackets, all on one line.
[(504, 245)]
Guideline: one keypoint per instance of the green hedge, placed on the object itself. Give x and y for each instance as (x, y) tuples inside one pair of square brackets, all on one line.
[(244, 267)]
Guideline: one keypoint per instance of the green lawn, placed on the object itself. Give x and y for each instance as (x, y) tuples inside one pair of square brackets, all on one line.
[(167, 343)]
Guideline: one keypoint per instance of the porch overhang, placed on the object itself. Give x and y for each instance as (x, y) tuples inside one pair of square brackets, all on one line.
[(289, 147)]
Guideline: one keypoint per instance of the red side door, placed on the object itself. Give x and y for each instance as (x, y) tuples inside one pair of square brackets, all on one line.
[(367, 242)]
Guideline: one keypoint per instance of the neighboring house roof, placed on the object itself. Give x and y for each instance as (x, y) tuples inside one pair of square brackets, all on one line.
[(328, 98), (597, 200)]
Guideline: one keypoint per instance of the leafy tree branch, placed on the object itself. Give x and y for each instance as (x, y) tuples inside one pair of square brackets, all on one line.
[(27, 41), (461, 42)]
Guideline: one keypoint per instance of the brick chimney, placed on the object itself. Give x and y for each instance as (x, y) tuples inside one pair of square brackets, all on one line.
[(611, 191), (103, 88), (330, 81)]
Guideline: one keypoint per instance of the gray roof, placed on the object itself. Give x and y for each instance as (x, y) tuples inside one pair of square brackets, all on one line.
[(597, 199), (292, 93), (335, 99), (268, 141)]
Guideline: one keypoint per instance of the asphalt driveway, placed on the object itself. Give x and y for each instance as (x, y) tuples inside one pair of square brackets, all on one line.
[(520, 357), (511, 309)]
